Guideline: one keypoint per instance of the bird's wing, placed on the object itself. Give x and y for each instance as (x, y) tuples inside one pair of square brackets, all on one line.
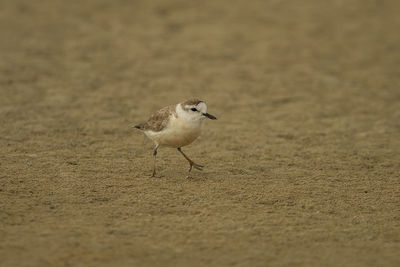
[(159, 120)]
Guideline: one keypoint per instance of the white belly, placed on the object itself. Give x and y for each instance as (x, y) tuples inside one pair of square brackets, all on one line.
[(178, 133)]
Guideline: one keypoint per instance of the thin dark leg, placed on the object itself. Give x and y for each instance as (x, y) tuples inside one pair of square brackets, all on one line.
[(191, 162), (154, 160)]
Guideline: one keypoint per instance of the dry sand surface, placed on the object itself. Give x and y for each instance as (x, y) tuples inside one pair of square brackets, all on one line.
[(302, 165)]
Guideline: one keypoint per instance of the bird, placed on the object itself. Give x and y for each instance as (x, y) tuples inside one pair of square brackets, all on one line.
[(176, 126)]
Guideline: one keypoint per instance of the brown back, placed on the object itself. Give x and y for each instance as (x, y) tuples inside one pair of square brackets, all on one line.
[(159, 120)]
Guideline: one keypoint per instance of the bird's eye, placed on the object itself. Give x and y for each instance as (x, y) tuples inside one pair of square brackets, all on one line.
[(193, 109)]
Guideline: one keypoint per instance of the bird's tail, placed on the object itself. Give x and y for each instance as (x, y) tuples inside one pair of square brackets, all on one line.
[(139, 126)]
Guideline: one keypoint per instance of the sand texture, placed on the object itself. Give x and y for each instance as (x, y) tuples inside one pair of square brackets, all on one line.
[(302, 167)]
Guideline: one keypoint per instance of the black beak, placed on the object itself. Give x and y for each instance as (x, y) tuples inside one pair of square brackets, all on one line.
[(209, 116)]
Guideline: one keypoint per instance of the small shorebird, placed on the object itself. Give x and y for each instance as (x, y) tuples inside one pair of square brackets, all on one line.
[(176, 126)]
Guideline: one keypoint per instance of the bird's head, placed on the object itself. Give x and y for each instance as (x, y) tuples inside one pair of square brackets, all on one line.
[(195, 109)]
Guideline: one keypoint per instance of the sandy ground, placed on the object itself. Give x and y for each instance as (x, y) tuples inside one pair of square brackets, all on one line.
[(302, 165)]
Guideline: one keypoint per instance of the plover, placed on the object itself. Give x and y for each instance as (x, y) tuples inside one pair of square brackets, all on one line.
[(176, 126)]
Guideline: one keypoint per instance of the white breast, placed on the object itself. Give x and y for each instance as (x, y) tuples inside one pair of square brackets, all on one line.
[(178, 133)]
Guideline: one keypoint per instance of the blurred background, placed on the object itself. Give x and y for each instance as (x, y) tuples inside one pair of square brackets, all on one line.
[(302, 165)]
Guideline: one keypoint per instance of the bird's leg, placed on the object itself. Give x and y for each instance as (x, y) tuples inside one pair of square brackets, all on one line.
[(191, 162), (154, 160)]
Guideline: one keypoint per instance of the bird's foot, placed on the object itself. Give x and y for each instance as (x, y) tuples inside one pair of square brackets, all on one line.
[(196, 166)]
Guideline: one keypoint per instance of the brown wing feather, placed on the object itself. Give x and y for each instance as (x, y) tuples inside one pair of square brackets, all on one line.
[(158, 120)]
